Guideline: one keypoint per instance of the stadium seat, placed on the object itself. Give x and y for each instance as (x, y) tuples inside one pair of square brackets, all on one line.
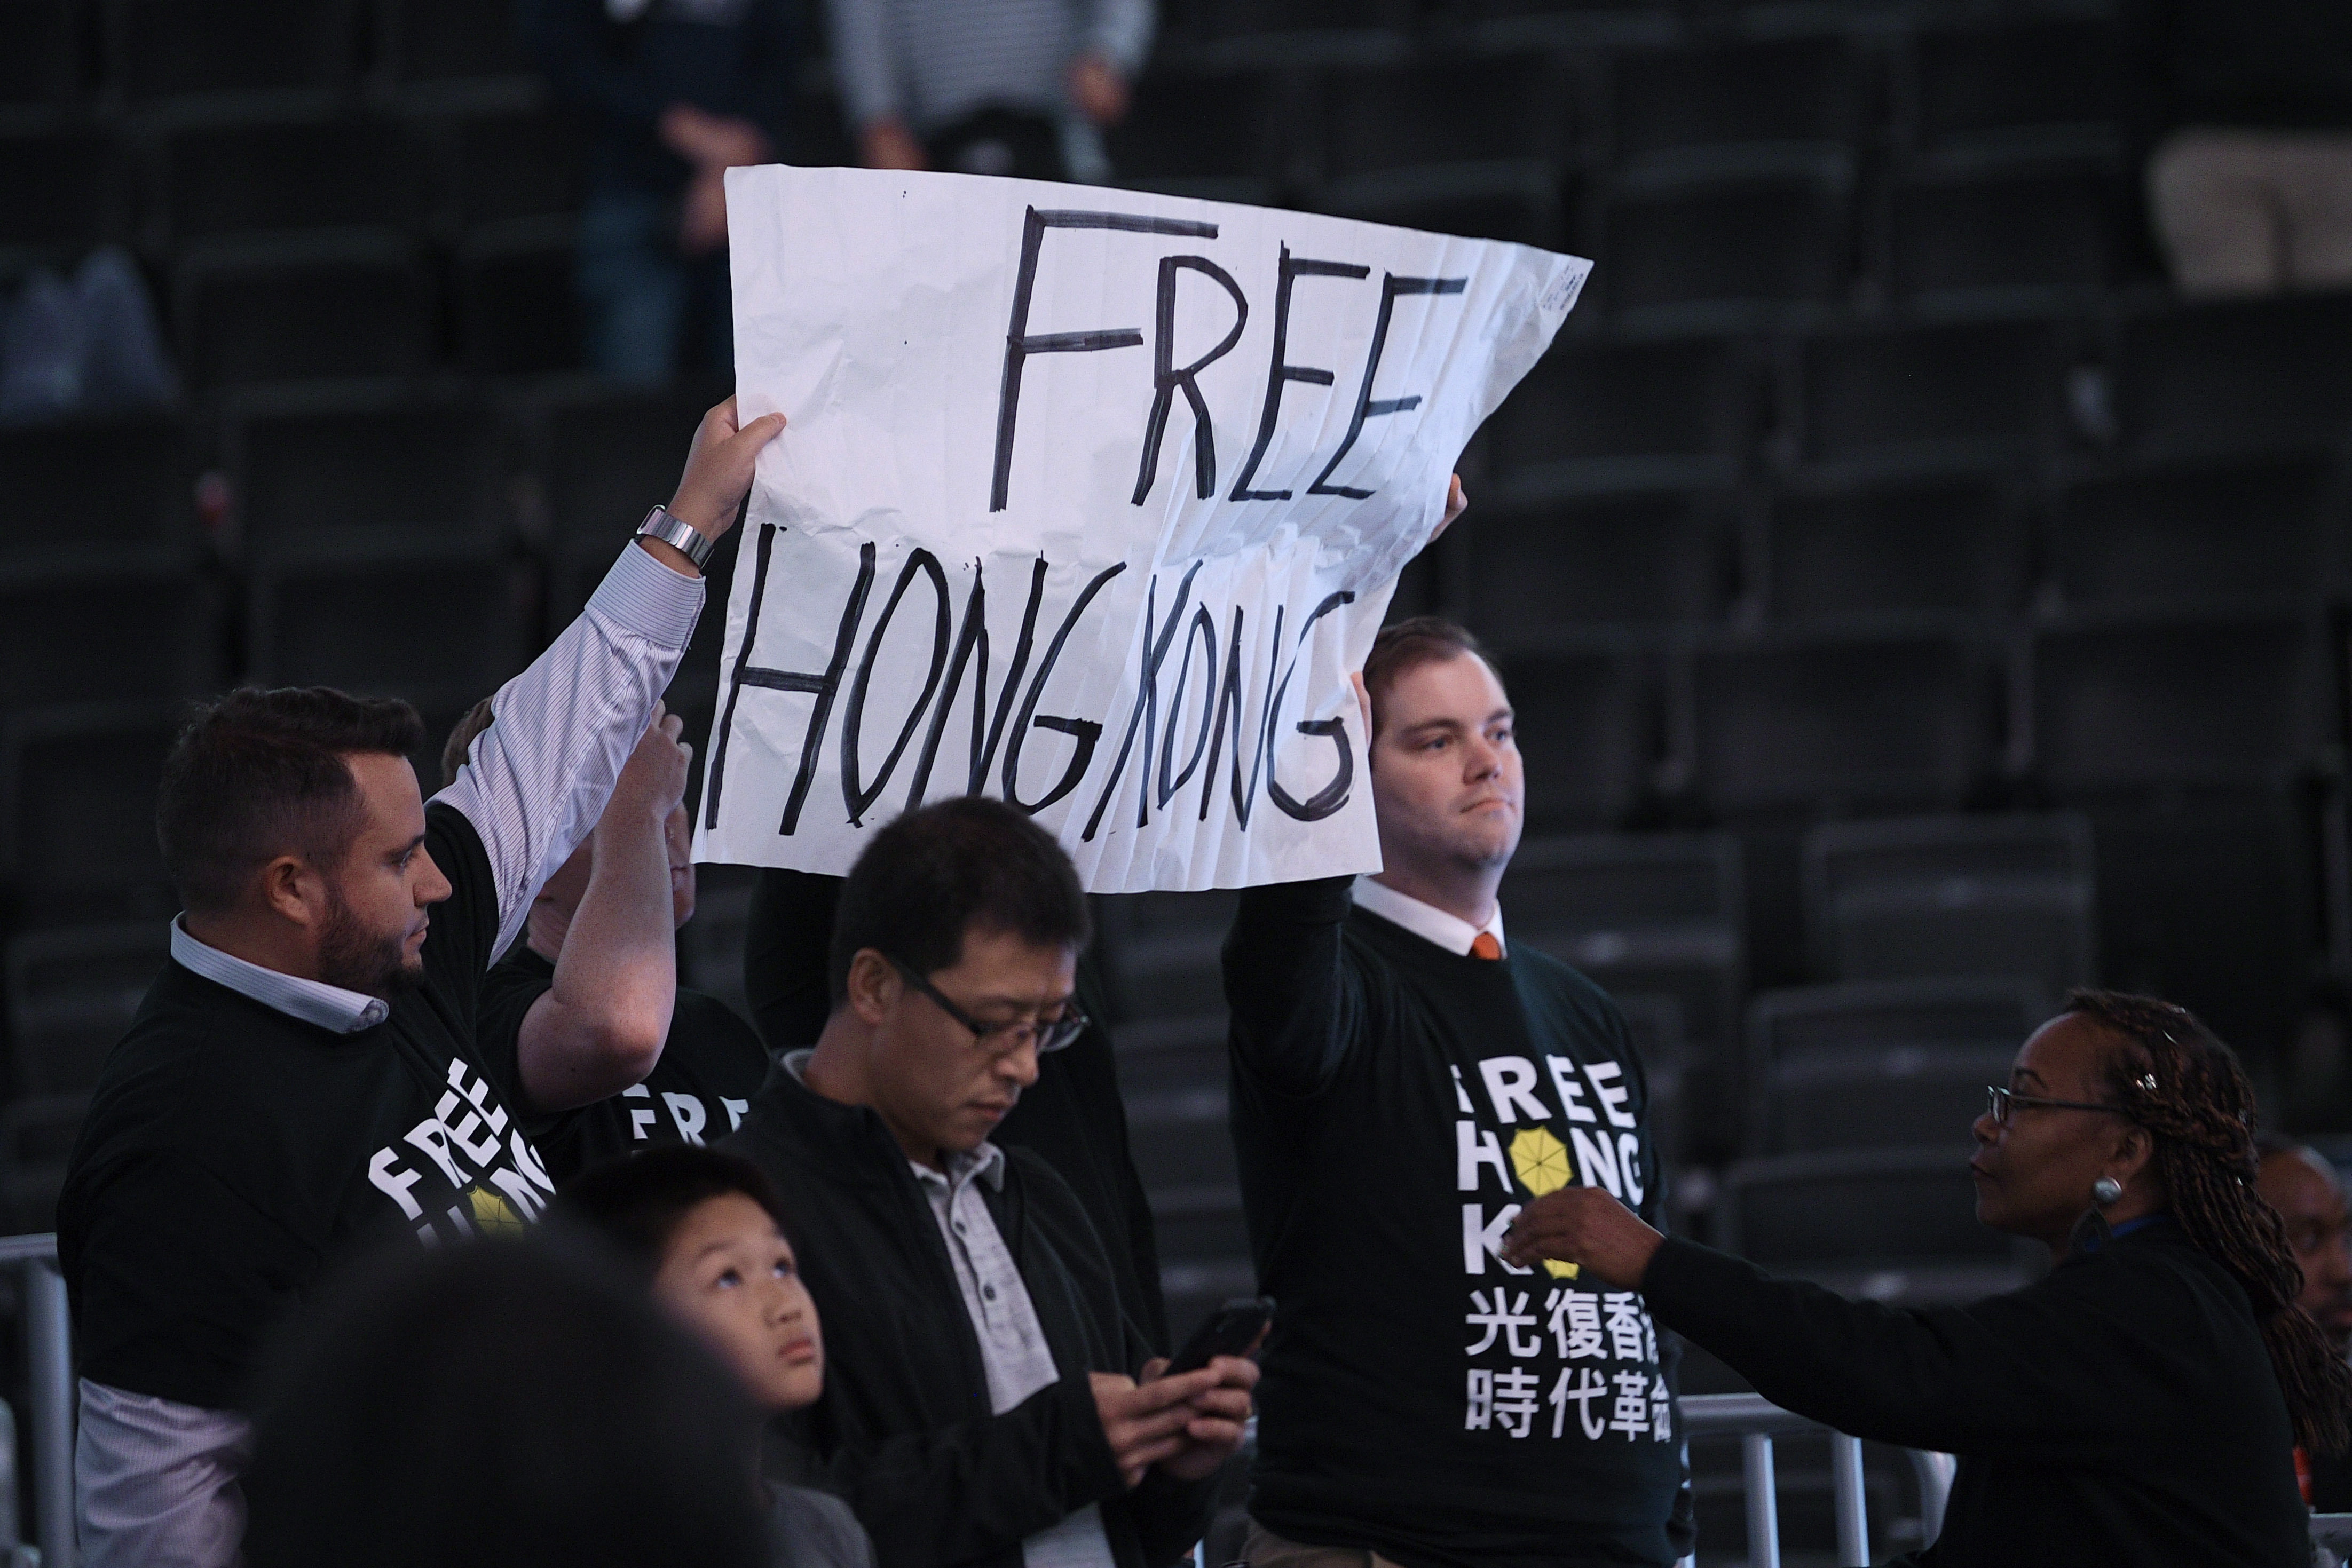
[(1205, 1255), (1649, 558), (710, 947), (1953, 1015), (1961, 393), (1227, 134), (1157, 1054), (2251, 375), (1587, 726), (1161, 952), (445, 40), (1214, 20), (1660, 913), (293, 310), (39, 63), (124, 481), (1867, 718), (1778, 90), (2001, 233), (2123, 702), (62, 191), (271, 171), (169, 48), (343, 462), (409, 622), (1655, 1023), (71, 993), (78, 796), (2052, 82), (1827, 551), (1442, 108), (1894, 1225), (1912, 897), (1625, 414), (1727, 245), (1181, 1138), (1518, 202), (516, 311), (604, 457), (109, 625), (2250, 530), (1903, 1098), (518, 156)]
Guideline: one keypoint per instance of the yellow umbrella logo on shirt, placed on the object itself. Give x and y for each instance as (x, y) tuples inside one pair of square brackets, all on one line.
[(1542, 1163), (493, 1214)]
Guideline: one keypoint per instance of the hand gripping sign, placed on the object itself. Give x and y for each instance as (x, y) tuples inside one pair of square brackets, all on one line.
[(1090, 501)]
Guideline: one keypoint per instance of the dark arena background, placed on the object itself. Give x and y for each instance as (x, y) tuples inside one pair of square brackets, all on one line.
[(1913, 605)]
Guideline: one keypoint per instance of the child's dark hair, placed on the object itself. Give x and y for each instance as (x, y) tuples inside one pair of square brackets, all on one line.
[(638, 1202)]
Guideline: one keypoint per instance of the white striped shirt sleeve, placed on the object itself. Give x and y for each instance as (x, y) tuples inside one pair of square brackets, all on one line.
[(537, 778)]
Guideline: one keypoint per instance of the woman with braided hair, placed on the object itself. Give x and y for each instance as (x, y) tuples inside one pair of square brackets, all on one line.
[(2140, 1403)]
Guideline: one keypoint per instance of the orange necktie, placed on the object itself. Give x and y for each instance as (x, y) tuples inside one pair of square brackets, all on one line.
[(1484, 946)]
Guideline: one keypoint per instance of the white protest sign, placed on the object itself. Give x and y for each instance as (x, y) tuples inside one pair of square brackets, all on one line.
[(1089, 500)]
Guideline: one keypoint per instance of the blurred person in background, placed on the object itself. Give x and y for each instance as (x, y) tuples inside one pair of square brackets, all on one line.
[(679, 91), (705, 1232), (499, 1405), (2140, 1403), (594, 978), (2245, 109), (1022, 88), (2296, 1180)]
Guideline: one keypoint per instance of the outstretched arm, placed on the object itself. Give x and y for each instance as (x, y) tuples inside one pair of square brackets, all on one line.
[(538, 778), (602, 1022)]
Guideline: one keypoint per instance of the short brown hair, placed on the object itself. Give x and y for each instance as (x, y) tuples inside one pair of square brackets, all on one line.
[(261, 774), (462, 734), (1406, 646)]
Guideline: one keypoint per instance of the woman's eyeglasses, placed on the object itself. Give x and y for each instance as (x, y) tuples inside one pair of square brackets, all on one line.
[(1048, 1035), (2002, 1103)]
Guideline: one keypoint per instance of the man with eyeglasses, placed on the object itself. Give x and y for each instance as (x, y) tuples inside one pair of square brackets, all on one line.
[(987, 1400)]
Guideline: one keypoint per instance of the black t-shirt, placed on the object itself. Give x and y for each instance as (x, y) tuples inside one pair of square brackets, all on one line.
[(710, 1068), (233, 1153), (1394, 1104)]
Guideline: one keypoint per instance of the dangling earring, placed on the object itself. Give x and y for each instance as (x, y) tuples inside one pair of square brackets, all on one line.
[(2106, 1190)]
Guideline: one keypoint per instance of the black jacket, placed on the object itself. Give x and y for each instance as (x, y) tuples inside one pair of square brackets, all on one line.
[(904, 1430), (2119, 1411), (1072, 1114)]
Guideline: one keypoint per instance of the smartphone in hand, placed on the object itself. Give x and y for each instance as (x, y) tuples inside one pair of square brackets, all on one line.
[(1231, 1329)]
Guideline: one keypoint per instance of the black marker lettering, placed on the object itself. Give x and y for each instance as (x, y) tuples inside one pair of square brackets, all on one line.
[(1019, 343), (1145, 716), (1280, 372), (1204, 634), (824, 687), (1166, 378), (1334, 795), (1367, 406), (855, 798), (1085, 731)]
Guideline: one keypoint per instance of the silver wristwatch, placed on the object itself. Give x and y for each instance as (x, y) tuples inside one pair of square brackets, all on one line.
[(692, 543)]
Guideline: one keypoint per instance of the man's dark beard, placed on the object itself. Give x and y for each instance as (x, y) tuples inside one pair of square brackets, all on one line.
[(357, 959)]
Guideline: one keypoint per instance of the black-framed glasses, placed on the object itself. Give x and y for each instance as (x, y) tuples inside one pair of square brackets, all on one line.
[(2001, 1102), (1048, 1035)]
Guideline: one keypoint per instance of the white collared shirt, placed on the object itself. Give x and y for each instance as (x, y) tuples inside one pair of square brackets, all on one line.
[(312, 1001), (1427, 921)]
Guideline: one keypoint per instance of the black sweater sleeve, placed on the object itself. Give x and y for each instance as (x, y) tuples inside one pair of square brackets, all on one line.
[(977, 1487), (2032, 1374), (785, 954), (1297, 1002)]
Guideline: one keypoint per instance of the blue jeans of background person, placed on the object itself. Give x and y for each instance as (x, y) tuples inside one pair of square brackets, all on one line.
[(647, 311)]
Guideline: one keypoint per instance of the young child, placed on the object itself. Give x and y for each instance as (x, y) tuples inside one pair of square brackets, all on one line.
[(704, 1225)]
